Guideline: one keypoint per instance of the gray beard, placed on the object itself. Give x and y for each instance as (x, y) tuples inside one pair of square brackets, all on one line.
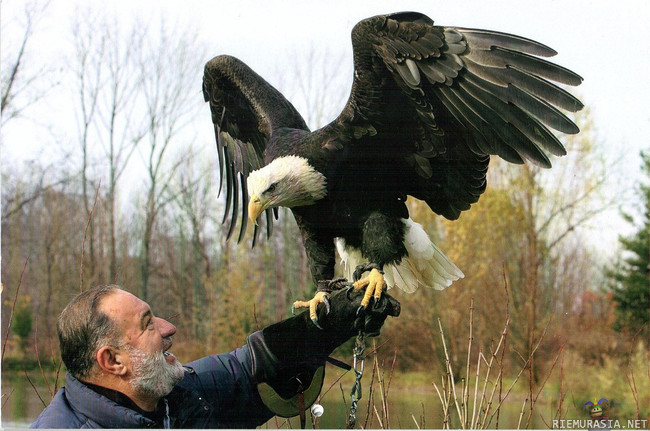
[(153, 375)]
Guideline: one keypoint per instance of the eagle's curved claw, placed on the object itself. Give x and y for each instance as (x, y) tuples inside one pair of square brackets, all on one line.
[(374, 284), (326, 301), (315, 322), (312, 304)]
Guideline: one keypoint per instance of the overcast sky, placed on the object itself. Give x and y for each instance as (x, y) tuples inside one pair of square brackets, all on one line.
[(606, 42)]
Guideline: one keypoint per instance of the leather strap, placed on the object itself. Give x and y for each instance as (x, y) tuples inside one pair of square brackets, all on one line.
[(301, 407)]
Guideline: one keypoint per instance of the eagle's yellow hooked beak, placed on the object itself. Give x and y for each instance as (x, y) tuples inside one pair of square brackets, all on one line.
[(256, 207)]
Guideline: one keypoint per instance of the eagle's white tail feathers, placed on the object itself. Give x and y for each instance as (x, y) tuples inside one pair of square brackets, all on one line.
[(425, 265)]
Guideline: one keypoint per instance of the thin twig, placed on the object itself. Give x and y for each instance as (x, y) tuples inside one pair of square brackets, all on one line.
[(338, 379), (370, 398), (545, 423), (450, 372), (630, 378), (381, 392), (13, 307), (505, 342), (531, 368), (469, 352), (500, 346), (392, 371), (423, 417), (257, 324), (478, 375), (343, 397), (375, 349), (521, 414), (445, 407), (548, 375), (416, 422), (558, 412), (34, 387), (6, 398), (56, 377), (486, 410), (524, 366), (38, 359), (83, 241), (173, 316), (490, 402), (381, 425)]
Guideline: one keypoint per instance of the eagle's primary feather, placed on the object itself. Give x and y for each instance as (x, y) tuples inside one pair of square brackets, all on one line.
[(429, 105)]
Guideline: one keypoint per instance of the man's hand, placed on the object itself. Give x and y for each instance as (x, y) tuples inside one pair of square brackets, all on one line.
[(289, 356), (346, 314)]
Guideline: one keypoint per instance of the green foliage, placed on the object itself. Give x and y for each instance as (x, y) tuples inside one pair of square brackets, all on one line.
[(631, 281), (22, 323)]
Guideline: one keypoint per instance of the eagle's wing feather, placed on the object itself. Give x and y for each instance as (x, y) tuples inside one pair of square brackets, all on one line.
[(245, 111), (447, 98)]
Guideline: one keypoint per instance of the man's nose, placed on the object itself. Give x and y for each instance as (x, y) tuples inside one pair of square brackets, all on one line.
[(166, 329)]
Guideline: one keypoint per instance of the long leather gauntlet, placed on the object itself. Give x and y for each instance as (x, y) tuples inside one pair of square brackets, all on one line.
[(288, 354)]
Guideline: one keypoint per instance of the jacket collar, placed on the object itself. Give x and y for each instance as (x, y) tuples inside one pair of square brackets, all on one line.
[(101, 410), (182, 406)]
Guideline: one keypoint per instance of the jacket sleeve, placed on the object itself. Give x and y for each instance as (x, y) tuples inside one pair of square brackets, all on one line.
[(226, 381)]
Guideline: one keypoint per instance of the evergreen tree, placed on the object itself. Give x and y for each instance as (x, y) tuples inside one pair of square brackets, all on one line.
[(631, 281)]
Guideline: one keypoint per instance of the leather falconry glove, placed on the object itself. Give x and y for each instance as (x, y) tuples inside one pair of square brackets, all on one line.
[(289, 356)]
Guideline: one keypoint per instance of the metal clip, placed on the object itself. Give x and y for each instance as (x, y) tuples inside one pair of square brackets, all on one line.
[(358, 363)]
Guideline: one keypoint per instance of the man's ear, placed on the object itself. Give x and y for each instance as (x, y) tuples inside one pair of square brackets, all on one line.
[(111, 361)]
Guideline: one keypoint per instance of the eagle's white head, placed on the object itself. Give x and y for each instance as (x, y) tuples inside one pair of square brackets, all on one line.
[(287, 181)]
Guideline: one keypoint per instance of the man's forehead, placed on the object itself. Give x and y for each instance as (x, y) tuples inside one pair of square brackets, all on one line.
[(123, 306)]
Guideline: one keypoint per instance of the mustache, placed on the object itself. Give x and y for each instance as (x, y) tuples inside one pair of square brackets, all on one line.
[(167, 343)]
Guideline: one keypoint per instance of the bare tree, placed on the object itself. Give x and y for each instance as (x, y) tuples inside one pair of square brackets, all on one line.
[(15, 196), (24, 81), (90, 46), (193, 193), (555, 205), (107, 86), (19, 76), (170, 64), (317, 84)]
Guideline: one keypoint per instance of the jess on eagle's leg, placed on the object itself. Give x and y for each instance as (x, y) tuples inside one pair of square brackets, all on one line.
[(381, 242)]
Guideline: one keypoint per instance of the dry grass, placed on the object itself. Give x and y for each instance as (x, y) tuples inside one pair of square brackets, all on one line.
[(471, 401)]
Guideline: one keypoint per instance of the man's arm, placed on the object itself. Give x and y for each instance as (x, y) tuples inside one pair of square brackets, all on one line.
[(286, 356), (290, 355), (227, 383)]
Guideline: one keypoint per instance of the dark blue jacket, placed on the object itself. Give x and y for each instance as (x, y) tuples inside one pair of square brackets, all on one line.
[(217, 391)]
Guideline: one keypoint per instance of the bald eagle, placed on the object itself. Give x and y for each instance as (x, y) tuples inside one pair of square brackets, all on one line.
[(428, 106)]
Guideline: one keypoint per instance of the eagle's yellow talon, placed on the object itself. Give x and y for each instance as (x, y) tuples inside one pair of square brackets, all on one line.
[(374, 284), (312, 304)]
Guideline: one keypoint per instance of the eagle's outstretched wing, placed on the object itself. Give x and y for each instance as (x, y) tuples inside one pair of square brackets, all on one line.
[(446, 98), (245, 110)]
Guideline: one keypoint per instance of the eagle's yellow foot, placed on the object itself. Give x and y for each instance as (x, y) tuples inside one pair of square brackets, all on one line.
[(374, 284), (312, 304)]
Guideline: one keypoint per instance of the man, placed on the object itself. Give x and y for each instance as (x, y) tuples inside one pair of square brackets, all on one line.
[(122, 374)]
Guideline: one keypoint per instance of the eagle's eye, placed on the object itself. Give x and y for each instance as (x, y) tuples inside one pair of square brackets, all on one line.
[(271, 188)]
